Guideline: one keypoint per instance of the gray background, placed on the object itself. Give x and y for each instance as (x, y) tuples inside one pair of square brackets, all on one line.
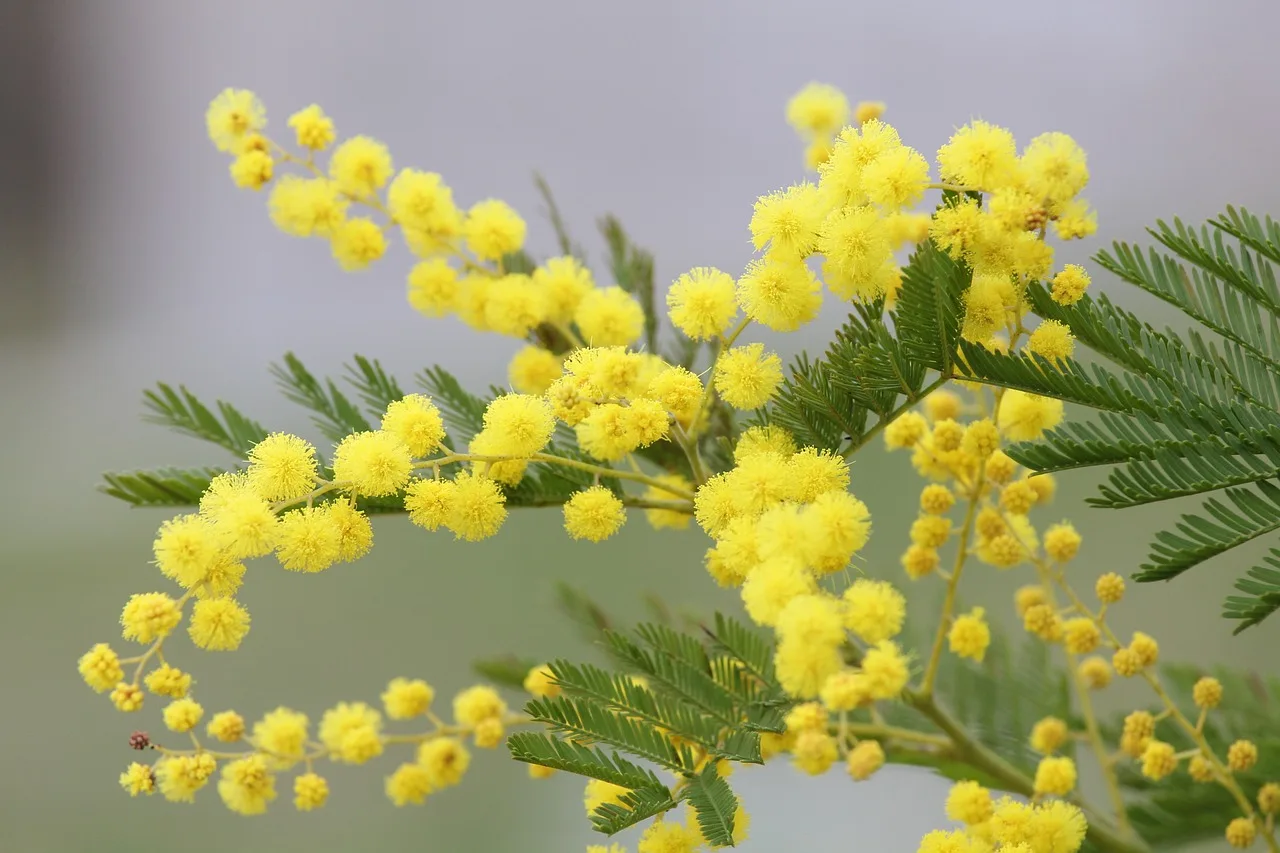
[(127, 256)]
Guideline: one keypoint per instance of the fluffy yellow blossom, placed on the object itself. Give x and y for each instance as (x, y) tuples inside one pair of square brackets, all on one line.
[(969, 635), (947, 435), (1075, 220), (282, 733), (375, 463), (415, 421), (979, 155), (1096, 672), (351, 731), (679, 390), (310, 792), (818, 109), (874, 610), (969, 803), (232, 115), (1052, 340), (183, 715), (1109, 588), (1053, 826), (896, 179), (747, 376), (423, 203), (981, 439), (844, 691), (563, 281), (433, 288), (609, 316), (936, 499), (309, 539), (513, 307), (779, 292), (252, 170), (1158, 760), (1241, 832), (100, 668), (865, 759), (306, 207), (493, 229), (445, 760), (1069, 284), (1139, 729), (1269, 798), (312, 128), (814, 751), (931, 531), (1145, 647), (477, 507), (1042, 621), (867, 111), (409, 784), (540, 681), (126, 697), (855, 242), (360, 166), (1024, 417), (1061, 541), (218, 624), (1056, 776), (179, 777), (406, 698), (955, 227), (668, 837), (1017, 498), (247, 785), (282, 467), (138, 779), (701, 303), (906, 431), (1199, 769), (1054, 167), (226, 726), (477, 703), (533, 369), (429, 502), (886, 670), (1242, 755), (1048, 735), (358, 242), (521, 424), (599, 792), (594, 514), (1207, 692), (149, 616), (1080, 635), (918, 561), (787, 222), (841, 524)]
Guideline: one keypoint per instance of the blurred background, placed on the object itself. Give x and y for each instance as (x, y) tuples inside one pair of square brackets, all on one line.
[(127, 256)]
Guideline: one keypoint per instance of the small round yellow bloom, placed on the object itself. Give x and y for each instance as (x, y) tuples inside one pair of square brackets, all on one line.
[(947, 435), (1145, 647), (594, 514), (1158, 760), (1061, 541), (874, 610), (1096, 672), (1069, 284), (886, 670), (814, 751), (314, 129), (138, 779), (226, 726), (310, 792), (537, 771), (919, 561), (1242, 755), (999, 467), (309, 540), (867, 111), (533, 369), (1028, 597), (1048, 735), (360, 166), (1269, 798), (1025, 417), (788, 222), (1199, 769), (358, 242), (1080, 635), (445, 759), (409, 784), (609, 316), (817, 110), (1207, 693), (477, 507), (931, 531), (747, 377), (433, 288), (906, 431), (232, 115), (1055, 776), (492, 229), (283, 734), (422, 203), (415, 420), (306, 207), (405, 699), (540, 681), (780, 293), (351, 732), (218, 624), (1042, 621), (375, 463), (100, 668), (1053, 167), (844, 691), (521, 424), (981, 439), (1109, 588), (282, 467), (252, 170), (1017, 498), (701, 303), (668, 837), (126, 697), (865, 759), (969, 803), (149, 616), (1126, 662), (489, 733), (969, 635), (183, 715), (936, 499), (429, 502), (247, 785), (1052, 340), (1241, 832), (477, 703), (979, 155)]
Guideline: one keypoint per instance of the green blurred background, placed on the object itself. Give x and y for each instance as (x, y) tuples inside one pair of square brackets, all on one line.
[(127, 257)]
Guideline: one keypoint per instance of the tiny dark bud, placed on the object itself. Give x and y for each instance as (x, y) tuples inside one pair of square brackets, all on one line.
[(139, 740)]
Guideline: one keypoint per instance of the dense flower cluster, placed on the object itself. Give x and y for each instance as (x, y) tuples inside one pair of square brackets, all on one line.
[(783, 524)]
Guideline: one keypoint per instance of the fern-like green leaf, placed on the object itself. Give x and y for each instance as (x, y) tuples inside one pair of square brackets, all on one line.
[(632, 269), (587, 722), (1244, 515), (462, 411), (1261, 598), (377, 388), (334, 415), (714, 805), (752, 647), (634, 806), (182, 411), (167, 487), (592, 762)]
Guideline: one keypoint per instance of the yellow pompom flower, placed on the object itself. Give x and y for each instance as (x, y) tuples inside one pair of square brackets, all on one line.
[(226, 726), (421, 201), (814, 751), (679, 390), (306, 207), (533, 370), (514, 307), (1207, 692), (1025, 417), (1126, 662), (180, 776), (232, 115), (477, 507), (1069, 285), (844, 691), (415, 420), (1109, 588), (817, 472), (772, 585), (350, 731), (283, 734), (865, 759), (1269, 798), (853, 150), (1241, 832), (981, 439), (608, 432), (1080, 635), (980, 156), (1061, 541), (477, 703), (906, 431), (896, 179), (252, 170), (1242, 755), (564, 282), (521, 424), (918, 561), (969, 635), (410, 783), (1055, 776), (445, 759), (936, 499), (186, 549), (668, 837), (309, 540), (541, 682), (183, 715), (817, 153), (1158, 760), (358, 242), (594, 514), (127, 697), (218, 624), (818, 109), (405, 699), (138, 779), (1048, 735), (310, 791), (747, 377), (787, 222), (360, 166), (886, 670), (1054, 167), (779, 292), (245, 525), (1075, 220), (1145, 647), (841, 525), (599, 792), (867, 111), (874, 610), (1096, 672), (429, 502), (166, 680), (493, 229), (969, 803), (1052, 340), (855, 242), (100, 668), (667, 518), (149, 616), (433, 287), (282, 467), (312, 128), (764, 439), (608, 317), (955, 227), (701, 303)]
